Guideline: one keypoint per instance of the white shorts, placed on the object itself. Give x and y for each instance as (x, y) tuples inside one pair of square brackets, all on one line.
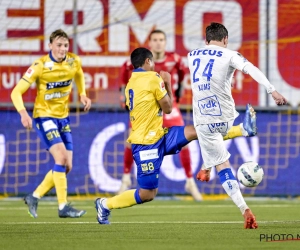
[(210, 137)]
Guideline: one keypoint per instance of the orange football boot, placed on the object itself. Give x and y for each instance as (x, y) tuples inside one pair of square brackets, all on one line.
[(250, 221), (203, 174)]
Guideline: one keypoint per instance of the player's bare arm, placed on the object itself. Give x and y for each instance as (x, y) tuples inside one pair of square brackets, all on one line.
[(25, 119), (278, 98), (86, 102)]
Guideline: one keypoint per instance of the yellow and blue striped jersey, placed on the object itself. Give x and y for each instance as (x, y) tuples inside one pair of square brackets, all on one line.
[(54, 83), (142, 92)]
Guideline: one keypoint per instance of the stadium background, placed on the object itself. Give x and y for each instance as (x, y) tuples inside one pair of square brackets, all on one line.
[(266, 32)]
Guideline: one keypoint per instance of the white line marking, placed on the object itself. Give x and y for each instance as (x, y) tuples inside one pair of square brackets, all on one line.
[(148, 222), (152, 206)]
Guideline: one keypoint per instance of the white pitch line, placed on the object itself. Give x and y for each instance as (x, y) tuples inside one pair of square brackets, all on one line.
[(147, 222), (154, 206)]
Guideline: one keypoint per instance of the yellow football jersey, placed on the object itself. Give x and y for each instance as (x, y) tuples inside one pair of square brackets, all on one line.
[(142, 92), (54, 83)]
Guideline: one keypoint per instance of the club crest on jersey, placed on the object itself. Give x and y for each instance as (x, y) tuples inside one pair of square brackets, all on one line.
[(70, 62), (29, 72), (210, 106)]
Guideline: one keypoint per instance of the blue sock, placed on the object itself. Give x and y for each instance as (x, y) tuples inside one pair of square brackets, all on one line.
[(59, 168), (137, 197), (226, 174), (232, 188)]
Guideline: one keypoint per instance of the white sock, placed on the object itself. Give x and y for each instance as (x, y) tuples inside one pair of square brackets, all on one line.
[(104, 204), (61, 206), (35, 195), (244, 132), (233, 190)]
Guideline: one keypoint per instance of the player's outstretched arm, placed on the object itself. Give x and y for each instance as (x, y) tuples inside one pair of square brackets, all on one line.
[(258, 76), (16, 97)]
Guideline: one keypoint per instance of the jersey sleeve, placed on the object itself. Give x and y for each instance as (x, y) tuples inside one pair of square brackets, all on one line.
[(79, 79), (33, 72), (237, 61), (158, 87)]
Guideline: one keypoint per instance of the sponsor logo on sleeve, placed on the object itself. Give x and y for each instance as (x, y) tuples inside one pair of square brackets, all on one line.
[(29, 72), (162, 86), (244, 59)]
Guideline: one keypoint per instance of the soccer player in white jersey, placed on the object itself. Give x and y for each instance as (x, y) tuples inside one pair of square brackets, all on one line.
[(211, 69)]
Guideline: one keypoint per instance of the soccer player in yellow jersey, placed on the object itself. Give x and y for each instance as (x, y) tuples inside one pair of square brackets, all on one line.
[(148, 94), (53, 74)]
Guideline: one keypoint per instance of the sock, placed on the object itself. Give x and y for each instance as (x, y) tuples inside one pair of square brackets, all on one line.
[(46, 185), (244, 132), (126, 199), (61, 206), (60, 182), (128, 160), (232, 188), (186, 162), (234, 131)]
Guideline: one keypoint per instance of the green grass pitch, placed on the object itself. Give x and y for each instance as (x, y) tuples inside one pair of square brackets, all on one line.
[(158, 225)]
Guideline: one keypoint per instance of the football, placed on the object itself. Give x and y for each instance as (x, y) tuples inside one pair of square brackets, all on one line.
[(250, 174)]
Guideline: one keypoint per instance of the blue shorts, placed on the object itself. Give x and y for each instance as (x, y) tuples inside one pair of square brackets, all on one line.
[(148, 158), (53, 131)]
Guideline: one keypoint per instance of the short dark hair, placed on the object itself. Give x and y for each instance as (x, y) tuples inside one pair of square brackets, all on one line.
[(216, 32), (58, 33), (139, 56), (157, 32)]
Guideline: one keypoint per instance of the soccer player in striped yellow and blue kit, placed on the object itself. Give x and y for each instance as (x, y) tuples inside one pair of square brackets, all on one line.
[(148, 94), (53, 74)]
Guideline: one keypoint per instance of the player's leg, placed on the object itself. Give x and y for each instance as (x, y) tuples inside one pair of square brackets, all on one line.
[(63, 156), (247, 128), (147, 177), (175, 119), (47, 184), (128, 163), (61, 159), (214, 153), (231, 187), (40, 125)]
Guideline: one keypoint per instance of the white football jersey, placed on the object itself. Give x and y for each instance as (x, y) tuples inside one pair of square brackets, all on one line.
[(211, 71)]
